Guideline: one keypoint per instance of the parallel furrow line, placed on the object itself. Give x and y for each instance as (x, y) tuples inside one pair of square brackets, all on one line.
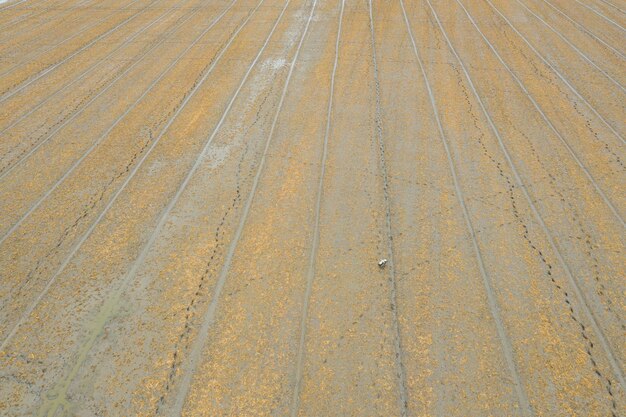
[(31, 59), (29, 27), (578, 51), (585, 30), (310, 275), (507, 347), (545, 118), (106, 133), (614, 23), (81, 76), (13, 91), (397, 336), (557, 73), (584, 306), (21, 158), (201, 339), (101, 216)]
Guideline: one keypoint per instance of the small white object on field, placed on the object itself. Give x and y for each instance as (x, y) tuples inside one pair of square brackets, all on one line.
[(382, 263)]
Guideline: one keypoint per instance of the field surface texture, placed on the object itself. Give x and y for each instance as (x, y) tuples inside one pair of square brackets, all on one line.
[(313, 208)]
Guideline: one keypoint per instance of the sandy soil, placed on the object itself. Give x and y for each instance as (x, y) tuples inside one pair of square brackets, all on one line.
[(195, 196)]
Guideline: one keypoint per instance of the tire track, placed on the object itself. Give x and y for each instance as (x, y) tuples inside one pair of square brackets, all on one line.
[(21, 85), (399, 353), (572, 281), (34, 14), (153, 142), (570, 44), (310, 275), (507, 347), (198, 345), (83, 102)]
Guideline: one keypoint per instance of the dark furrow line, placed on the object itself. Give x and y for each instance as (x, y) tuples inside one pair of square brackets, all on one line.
[(556, 72), (397, 337), (106, 133), (576, 219), (574, 47), (19, 86), (573, 282), (584, 30), (183, 341), (68, 231), (209, 317), (310, 275), (523, 225), (507, 347), (541, 112), (181, 104), (510, 187), (596, 136), (111, 303), (404, 180), (81, 105)]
